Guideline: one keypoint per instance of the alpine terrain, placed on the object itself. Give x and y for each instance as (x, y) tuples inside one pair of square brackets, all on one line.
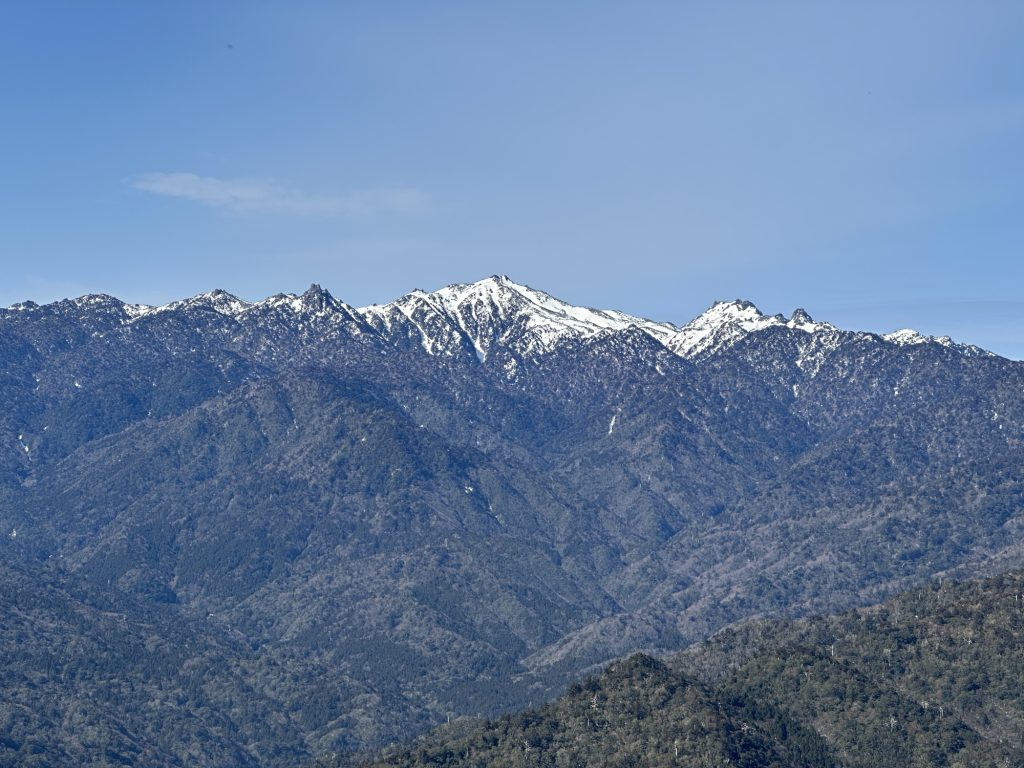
[(254, 534)]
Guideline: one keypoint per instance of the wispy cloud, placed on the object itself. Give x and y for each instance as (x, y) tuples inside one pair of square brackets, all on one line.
[(264, 196)]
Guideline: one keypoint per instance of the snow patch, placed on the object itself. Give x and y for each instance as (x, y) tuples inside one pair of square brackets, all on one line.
[(219, 301), (135, 311), (906, 337)]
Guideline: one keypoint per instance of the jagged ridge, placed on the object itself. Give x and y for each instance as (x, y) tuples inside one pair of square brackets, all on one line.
[(498, 312)]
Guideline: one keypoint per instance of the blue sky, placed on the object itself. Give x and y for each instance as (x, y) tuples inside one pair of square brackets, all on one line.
[(862, 160)]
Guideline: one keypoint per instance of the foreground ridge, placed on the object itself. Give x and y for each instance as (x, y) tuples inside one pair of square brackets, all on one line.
[(913, 681)]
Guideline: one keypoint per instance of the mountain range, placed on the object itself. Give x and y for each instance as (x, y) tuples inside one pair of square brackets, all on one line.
[(252, 533)]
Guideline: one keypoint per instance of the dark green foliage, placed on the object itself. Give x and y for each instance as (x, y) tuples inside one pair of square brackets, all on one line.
[(639, 713), (932, 678)]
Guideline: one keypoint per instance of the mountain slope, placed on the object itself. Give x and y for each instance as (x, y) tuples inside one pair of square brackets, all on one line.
[(930, 678), (637, 713), (459, 502)]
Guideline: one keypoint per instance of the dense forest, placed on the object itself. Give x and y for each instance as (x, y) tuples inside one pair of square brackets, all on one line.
[(934, 677)]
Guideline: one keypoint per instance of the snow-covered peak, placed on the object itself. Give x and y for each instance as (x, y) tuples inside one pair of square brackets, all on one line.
[(738, 311), (288, 301), (315, 303), (726, 322), (91, 304), (317, 299), (498, 310), (908, 337), (542, 310), (802, 321), (23, 306), (220, 301), (137, 310), (720, 326), (217, 300), (495, 311), (800, 318), (97, 301)]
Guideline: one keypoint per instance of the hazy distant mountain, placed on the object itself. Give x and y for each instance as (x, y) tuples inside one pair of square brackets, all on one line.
[(369, 519)]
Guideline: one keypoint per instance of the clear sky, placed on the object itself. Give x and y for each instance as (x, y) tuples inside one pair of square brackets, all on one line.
[(864, 160)]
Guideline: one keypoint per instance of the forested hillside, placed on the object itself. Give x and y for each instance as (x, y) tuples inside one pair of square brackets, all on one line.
[(934, 677)]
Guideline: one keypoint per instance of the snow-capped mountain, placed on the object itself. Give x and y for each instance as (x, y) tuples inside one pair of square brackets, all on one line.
[(455, 502), (475, 318), (498, 311), (908, 337), (726, 322), (314, 303)]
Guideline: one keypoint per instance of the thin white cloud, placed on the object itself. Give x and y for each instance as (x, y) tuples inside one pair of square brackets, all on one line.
[(262, 196)]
